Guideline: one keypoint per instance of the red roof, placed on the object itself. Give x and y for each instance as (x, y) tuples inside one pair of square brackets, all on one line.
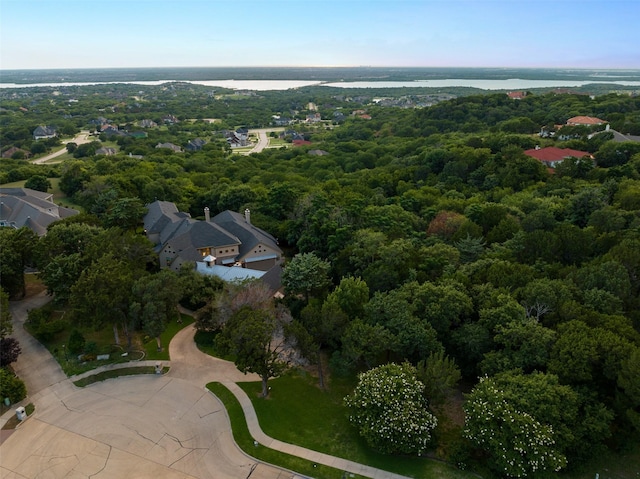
[(300, 142), (585, 120), (552, 153), (517, 95)]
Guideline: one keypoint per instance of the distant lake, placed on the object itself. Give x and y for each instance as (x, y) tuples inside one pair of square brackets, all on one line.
[(257, 85), (509, 84), (267, 85)]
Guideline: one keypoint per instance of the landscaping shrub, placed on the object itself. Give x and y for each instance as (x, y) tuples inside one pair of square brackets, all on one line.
[(76, 342), (11, 386), (42, 326)]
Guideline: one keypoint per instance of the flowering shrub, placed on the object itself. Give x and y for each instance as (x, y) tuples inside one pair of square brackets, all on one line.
[(389, 410), (519, 445)]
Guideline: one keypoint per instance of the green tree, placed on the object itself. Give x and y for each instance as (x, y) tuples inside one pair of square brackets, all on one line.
[(61, 273), (629, 382), (125, 213), (6, 325), (156, 302), (306, 274), (522, 344), (74, 175), (16, 252), (103, 293), (38, 183), (364, 344), (352, 294), (518, 443), (250, 337), (439, 374), (390, 411), (11, 386)]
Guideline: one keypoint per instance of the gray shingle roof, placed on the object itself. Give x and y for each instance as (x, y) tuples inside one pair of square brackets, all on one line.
[(249, 235), (34, 209)]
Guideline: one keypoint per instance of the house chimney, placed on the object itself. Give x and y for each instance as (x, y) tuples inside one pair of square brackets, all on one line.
[(207, 216), (247, 215), (210, 261)]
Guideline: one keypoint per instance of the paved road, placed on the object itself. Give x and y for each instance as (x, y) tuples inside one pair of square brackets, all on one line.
[(82, 137), (263, 139), (165, 426), (135, 426)]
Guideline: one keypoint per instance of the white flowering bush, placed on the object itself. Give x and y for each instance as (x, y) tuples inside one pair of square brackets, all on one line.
[(519, 445), (390, 411)]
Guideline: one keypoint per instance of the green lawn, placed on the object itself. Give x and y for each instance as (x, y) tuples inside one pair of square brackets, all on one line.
[(105, 344), (299, 412), (609, 465), (243, 438)]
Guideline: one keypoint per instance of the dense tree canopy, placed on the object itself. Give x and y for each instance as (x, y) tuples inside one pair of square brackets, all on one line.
[(422, 234)]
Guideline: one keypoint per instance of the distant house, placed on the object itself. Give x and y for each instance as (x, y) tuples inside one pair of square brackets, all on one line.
[(148, 124), (13, 150), (361, 114), (280, 120), (196, 144), (517, 95), (585, 121), (314, 118), (170, 120), (44, 132), (227, 246), (551, 156), (34, 209), (112, 130), (617, 136), (169, 146), (238, 138), (106, 151)]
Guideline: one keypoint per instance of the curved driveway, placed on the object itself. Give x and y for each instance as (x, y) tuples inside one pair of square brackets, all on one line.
[(81, 138), (148, 426), (137, 426)]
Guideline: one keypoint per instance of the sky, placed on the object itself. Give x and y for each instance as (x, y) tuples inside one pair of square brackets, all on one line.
[(43, 34)]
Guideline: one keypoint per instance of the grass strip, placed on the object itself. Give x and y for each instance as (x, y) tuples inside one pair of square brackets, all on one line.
[(320, 423), (116, 373), (14, 422), (243, 438)]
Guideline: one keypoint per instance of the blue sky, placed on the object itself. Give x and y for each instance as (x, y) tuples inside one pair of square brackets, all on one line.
[(457, 33)]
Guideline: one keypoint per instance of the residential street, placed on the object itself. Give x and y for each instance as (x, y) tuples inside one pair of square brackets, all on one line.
[(81, 138), (263, 139)]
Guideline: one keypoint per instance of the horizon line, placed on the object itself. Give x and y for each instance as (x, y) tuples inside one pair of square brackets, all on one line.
[(330, 66)]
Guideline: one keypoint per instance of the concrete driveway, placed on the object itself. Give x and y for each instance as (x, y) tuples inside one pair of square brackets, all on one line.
[(136, 426), (81, 138)]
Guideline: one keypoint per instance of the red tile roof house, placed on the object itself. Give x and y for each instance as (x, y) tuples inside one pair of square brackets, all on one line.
[(517, 95), (552, 155), (585, 121)]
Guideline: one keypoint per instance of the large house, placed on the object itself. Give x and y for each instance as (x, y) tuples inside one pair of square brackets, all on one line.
[(44, 132), (34, 209), (551, 156), (227, 245)]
